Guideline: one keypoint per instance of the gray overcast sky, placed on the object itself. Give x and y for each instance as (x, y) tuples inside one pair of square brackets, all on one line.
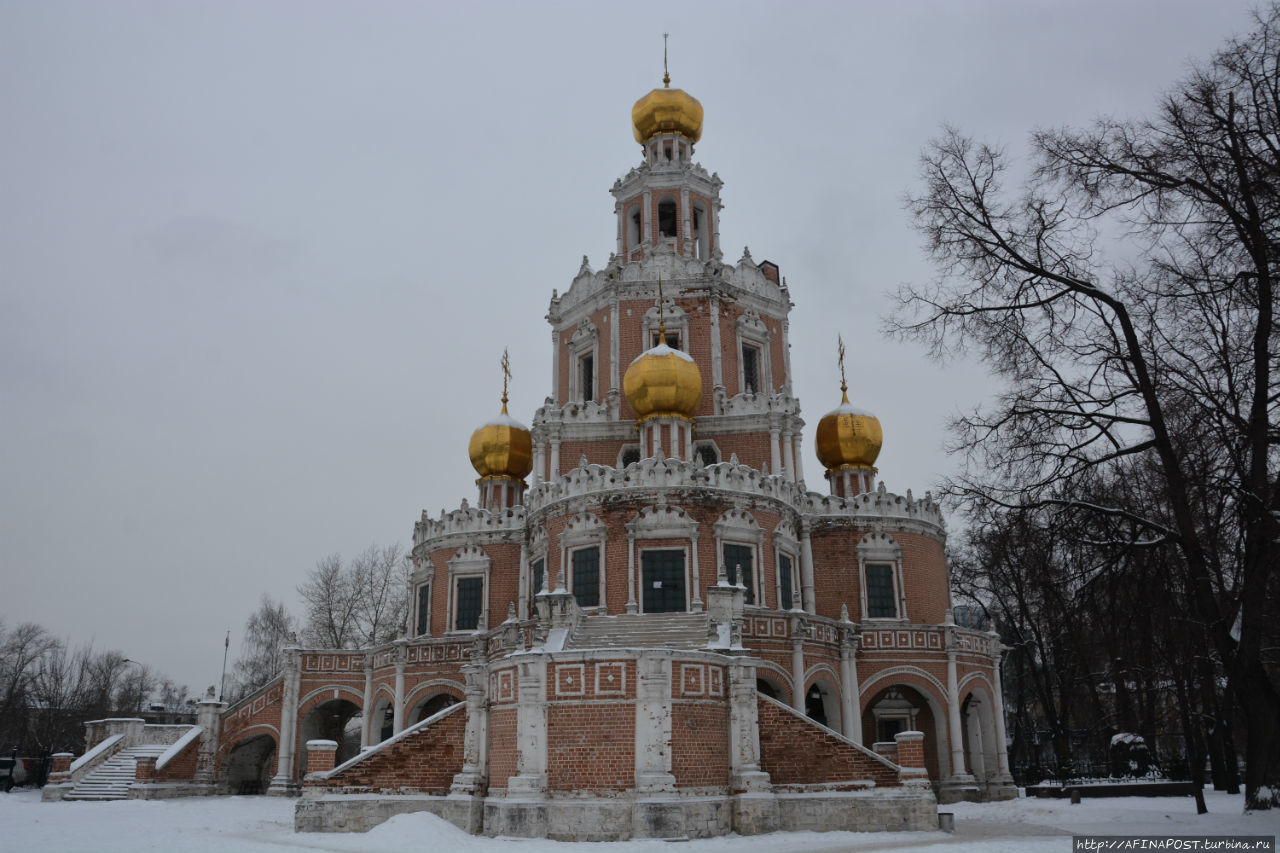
[(258, 260)]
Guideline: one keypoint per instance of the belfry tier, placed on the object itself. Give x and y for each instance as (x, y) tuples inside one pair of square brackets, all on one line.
[(730, 320)]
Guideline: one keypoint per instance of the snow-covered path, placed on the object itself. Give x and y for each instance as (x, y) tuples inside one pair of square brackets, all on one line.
[(265, 825)]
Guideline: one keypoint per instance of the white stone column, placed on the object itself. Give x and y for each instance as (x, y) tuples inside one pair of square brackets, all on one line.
[(1002, 752), (618, 212), (648, 218), (797, 665), (366, 704), (688, 442), (655, 433), (401, 655), (282, 782), (531, 728), (806, 568), (686, 233), (717, 366), (695, 602), (475, 739), (522, 599), (554, 473), (744, 729), (210, 721), (775, 451), (539, 462), (788, 454), (653, 724), (555, 366), (850, 705), (632, 607), (615, 382), (786, 351), (799, 456), (676, 431)]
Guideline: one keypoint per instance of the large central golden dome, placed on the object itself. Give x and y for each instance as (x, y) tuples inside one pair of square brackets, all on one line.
[(849, 437), (662, 383), (502, 448), (667, 111)]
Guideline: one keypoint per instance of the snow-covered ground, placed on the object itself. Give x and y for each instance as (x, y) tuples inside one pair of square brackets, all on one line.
[(260, 824)]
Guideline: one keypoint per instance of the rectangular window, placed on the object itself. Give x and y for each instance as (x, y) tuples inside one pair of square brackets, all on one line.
[(424, 608), (470, 603), (587, 377), (737, 558), (673, 339), (750, 369), (662, 579), (784, 582), (586, 577), (880, 599), (536, 572)]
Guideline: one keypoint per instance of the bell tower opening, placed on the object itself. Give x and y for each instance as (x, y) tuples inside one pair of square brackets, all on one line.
[(667, 217)]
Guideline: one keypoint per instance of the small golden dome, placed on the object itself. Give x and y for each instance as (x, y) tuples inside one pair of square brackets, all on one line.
[(848, 437), (667, 111), (502, 448), (662, 383)]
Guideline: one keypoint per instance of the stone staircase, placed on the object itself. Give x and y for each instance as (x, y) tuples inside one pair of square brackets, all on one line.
[(111, 779), (641, 630)]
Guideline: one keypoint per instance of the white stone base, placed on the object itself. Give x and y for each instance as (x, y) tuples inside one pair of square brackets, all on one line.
[(629, 816)]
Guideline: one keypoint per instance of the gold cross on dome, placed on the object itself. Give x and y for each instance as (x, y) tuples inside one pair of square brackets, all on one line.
[(506, 377), (666, 75), (844, 386)]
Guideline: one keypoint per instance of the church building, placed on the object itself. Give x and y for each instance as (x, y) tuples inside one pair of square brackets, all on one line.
[(646, 624)]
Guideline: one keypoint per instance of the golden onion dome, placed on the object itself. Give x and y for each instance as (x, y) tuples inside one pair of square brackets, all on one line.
[(502, 448), (667, 111), (849, 437), (663, 382)]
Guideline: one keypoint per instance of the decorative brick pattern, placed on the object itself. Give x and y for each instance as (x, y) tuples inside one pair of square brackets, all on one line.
[(591, 747), (425, 760), (797, 751)]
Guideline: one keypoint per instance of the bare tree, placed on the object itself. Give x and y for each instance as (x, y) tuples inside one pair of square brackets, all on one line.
[(329, 599), (1127, 296), (356, 604), (266, 633)]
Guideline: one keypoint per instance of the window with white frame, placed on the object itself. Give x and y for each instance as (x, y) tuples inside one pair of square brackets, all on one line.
[(629, 454), (880, 565), (738, 538), (468, 603), (424, 609), (584, 351), (582, 566), (673, 318), (754, 370), (585, 575), (706, 453), (468, 584), (537, 575)]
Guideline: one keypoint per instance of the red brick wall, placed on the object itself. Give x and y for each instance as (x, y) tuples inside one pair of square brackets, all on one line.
[(700, 744), (426, 760), (591, 746), (796, 751), (837, 579), (502, 745), (183, 765)]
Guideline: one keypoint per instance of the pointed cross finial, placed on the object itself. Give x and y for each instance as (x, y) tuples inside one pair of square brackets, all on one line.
[(666, 75), (506, 377), (844, 386)]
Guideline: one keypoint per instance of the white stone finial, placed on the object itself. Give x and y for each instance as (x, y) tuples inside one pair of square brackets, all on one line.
[(844, 612)]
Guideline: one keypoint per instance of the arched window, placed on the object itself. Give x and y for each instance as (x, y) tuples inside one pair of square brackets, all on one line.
[(667, 217)]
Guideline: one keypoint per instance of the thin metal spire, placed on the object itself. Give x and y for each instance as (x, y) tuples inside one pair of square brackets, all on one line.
[(666, 75), (506, 377), (844, 386)]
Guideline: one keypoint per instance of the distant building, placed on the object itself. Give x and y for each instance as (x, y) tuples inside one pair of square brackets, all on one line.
[(647, 624)]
